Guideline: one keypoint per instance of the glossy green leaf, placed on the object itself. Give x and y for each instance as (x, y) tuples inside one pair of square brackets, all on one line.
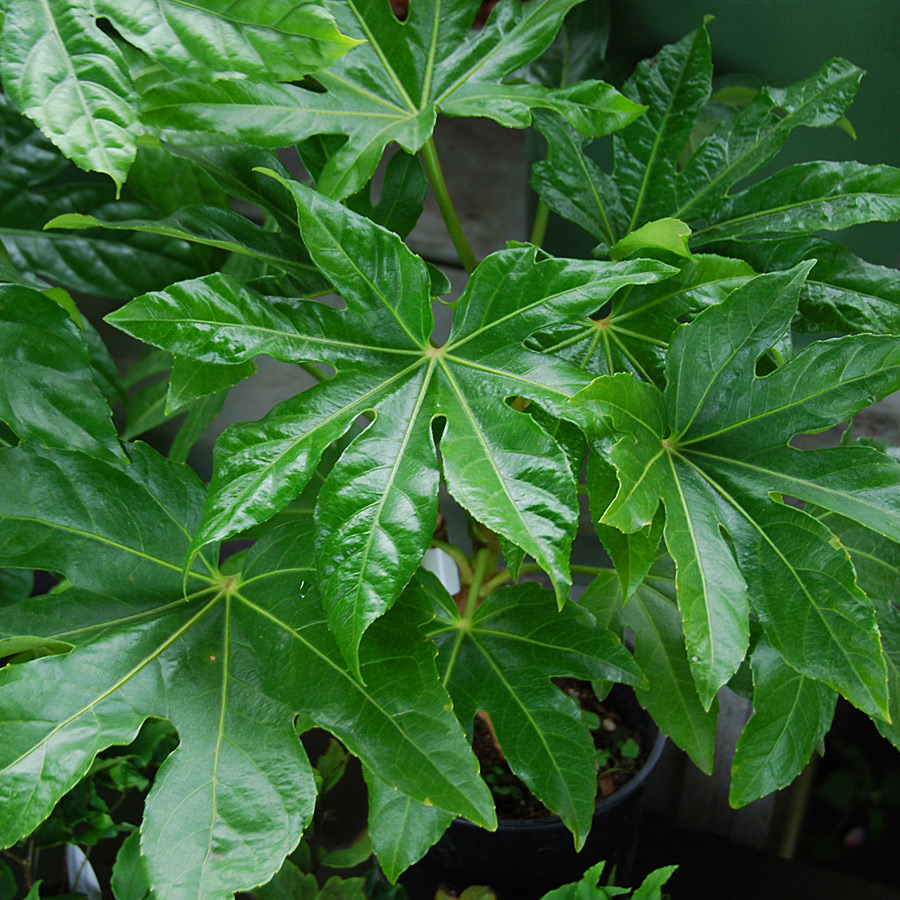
[(501, 659), (804, 198), (791, 714), (667, 234), (498, 462), (48, 395), (842, 293), (877, 563), (36, 183), (713, 449), (79, 94), (671, 696), (168, 182), (232, 800), (214, 227), (669, 163), (129, 877), (392, 87), (190, 380), (633, 334), (402, 829), (267, 40)]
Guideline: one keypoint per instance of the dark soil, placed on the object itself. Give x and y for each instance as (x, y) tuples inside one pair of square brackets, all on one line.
[(621, 755)]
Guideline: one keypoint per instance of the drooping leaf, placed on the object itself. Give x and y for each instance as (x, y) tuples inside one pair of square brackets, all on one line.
[(129, 877), (791, 714), (516, 480), (48, 395), (670, 695), (402, 829), (392, 87), (79, 94), (501, 660), (230, 664), (713, 449)]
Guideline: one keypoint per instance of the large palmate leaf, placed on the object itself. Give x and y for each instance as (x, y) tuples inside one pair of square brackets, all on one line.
[(48, 394), (500, 658), (651, 181), (80, 93), (713, 448), (36, 183), (670, 694), (392, 87), (378, 506), (233, 661)]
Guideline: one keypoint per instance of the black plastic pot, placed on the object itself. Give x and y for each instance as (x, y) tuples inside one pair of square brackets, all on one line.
[(523, 859)]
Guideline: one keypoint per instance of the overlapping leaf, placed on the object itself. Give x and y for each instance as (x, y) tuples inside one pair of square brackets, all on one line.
[(230, 663), (791, 714), (713, 448), (36, 183), (501, 660), (633, 333), (651, 181), (670, 694), (378, 505), (47, 393), (392, 87), (81, 94)]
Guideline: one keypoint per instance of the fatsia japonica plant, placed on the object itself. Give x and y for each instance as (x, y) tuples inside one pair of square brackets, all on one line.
[(662, 381)]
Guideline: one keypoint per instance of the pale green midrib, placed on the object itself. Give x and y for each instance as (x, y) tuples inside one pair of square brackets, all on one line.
[(379, 52), (432, 53), (711, 637), (118, 684), (360, 580), (835, 386), (261, 329), (220, 736), (508, 38), (502, 373), (654, 151), (772, 744), (109, 542), (251, 488), (98, 143), (526, 712), (483, 329), (717, 373), (626, 352), (725, 224), (779, 125), (358, 686), (818, 488), (356, 88), (125, 621), (673, 679), (762, 533), (487, 455), (170, 232)]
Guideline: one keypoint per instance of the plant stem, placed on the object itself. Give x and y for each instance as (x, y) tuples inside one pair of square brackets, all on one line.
[(458, 556), (539, 228), (445, 205), (482, 559), (505, 575)]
